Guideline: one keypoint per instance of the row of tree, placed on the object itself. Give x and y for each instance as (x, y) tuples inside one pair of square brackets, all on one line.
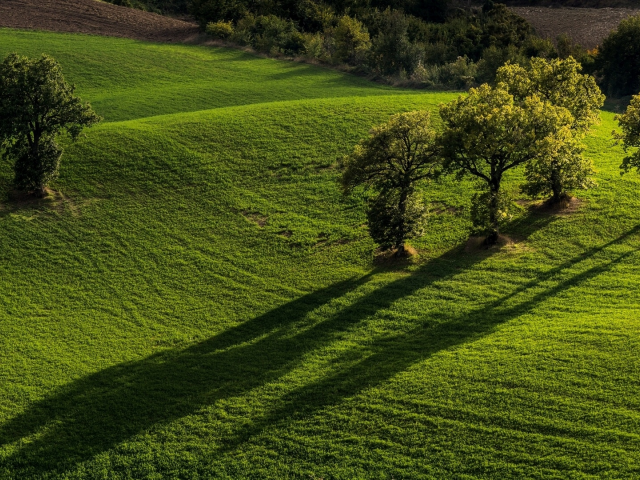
[(468, 47), (534, 117), (433, 43)]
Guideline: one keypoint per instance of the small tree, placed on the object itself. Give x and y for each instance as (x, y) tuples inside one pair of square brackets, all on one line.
[(487, 134), (629, 121), (392, 161), (559, 82), (36, 105), (351, 41)]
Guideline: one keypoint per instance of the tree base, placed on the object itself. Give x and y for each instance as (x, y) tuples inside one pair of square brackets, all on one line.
[(30, 195), (395, 256), (479, 244), (565, 205)]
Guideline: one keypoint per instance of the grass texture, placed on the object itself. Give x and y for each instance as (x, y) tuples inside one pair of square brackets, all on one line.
[(199, 301)]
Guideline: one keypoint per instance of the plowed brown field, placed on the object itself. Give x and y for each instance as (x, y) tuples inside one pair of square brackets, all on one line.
[(91, 16), (587, 26)]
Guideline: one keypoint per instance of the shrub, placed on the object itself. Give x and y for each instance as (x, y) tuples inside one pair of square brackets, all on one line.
[(221, 30), (244, 31), (493, 58), (392, 53), (317, 46), (455, 75)]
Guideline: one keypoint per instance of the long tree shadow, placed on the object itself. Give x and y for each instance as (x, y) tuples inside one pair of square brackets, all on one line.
[(389, 356), (97, 412)]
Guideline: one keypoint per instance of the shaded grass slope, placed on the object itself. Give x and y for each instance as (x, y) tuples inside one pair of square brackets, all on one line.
[(199, 301)]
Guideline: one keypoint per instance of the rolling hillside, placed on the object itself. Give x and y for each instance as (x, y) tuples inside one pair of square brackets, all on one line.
[(199, 301)]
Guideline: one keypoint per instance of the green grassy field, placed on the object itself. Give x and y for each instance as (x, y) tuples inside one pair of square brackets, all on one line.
[(199, 301)]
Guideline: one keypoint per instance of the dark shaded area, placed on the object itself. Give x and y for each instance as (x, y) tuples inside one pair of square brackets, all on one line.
[(96, 413)]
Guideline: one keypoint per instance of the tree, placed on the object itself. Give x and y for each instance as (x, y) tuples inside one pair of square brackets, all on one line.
[(488, 133), (351, 40), (36, 105), (396, 157), (559, 82), (618, 59), (391, 221), (392, 52), (629, 121)]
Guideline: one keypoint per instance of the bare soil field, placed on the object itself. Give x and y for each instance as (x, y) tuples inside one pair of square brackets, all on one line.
[(586, 26), (93, 17)]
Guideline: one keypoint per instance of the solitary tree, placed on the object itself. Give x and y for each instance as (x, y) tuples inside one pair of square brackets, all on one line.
[(487, 133), (36, 105), (392, 161), (629, 121), (560, 83)]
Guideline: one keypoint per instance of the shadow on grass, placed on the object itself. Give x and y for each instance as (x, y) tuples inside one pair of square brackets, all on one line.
[(97, 412)]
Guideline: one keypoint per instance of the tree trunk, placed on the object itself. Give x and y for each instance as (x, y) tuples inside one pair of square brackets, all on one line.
[(402, 210), (494, 221), (556, 188)]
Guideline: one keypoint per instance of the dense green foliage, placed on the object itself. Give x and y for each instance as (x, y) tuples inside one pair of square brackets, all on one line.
[(629, 122), (618, 59), (390, 42), (563, 168), (36, 106), (392, 162), (490, 132), (429, 43), (199, 300)]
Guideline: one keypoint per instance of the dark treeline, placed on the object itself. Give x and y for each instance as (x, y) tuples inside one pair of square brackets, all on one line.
[(420, 43)]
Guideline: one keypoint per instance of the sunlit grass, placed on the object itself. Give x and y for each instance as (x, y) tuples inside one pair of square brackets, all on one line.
[(200, 301)]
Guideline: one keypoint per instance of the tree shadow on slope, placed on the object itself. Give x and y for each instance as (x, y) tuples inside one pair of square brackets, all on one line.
[(97, 412)]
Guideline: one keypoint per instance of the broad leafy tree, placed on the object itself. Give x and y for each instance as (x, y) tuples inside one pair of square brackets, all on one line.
[(487, 134), (559, 82), (629, 122), (396, 157), (37, 105)]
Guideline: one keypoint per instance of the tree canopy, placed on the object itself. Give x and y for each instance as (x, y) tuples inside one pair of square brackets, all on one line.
[(36, 105), (618, 59), (392, 161), (629, 122), (488, 133), (559, 82)]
